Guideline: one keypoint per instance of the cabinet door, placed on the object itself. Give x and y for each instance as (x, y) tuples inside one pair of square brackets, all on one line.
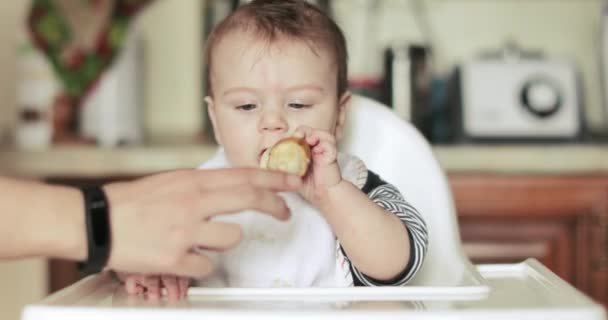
[(557, 220), (599, 248), (504, 240)]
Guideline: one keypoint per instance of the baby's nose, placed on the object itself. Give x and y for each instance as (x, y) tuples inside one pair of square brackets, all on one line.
[(273, 122)]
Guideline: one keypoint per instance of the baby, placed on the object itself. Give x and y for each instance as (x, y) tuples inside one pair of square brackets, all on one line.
[(278, 69)]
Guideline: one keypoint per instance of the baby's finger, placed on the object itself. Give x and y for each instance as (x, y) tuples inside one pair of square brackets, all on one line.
[(131, 285), (325, 136), (183, 283), (312, 138), (325, 149), (140, 279), (152, 284), (170, 284), (308, 134), (316, 137), (301, 132)]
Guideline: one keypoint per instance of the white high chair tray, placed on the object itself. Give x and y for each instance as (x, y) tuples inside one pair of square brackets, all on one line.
[(470, 286), (524, 291)]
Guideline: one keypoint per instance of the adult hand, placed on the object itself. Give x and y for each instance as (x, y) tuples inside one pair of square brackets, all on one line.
[(157, 220)]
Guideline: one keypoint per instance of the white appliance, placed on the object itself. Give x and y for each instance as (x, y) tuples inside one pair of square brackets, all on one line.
[(112, 112), (604, 61), (520, 98), (37, 89)]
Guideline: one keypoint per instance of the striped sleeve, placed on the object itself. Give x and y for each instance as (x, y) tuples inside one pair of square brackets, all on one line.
[(388, 197)]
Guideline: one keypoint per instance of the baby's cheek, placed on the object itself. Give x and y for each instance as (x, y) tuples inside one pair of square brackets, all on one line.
[(242, 158)]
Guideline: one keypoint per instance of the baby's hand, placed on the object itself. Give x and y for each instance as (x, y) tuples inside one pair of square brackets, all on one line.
[(324, 171), (151, 285)]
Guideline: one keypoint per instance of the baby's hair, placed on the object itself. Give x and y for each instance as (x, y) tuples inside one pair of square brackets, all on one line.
[(288, 19)]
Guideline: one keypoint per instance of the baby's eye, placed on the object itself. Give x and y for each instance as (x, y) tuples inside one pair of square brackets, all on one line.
[(299, 105), (246, 107)]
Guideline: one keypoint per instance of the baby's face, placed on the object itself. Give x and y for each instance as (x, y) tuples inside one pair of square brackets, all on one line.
[(263, 92)]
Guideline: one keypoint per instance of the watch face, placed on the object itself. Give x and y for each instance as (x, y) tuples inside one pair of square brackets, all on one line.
[(541, 96)]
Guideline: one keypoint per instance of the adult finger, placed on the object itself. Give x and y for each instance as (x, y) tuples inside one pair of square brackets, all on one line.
[(238, 177), (195, 265), (218, 235), (214, 202)]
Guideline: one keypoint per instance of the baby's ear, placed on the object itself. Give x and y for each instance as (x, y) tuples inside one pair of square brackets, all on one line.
[(343, 104), (211, 112)]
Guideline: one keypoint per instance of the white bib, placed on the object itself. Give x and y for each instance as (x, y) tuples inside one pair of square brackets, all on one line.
[(299, 252)]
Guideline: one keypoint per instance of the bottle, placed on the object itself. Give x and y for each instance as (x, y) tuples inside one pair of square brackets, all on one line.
[(37, 88), (604, 63)]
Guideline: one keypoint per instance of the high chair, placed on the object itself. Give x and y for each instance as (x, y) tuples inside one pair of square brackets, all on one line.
[(447, 286)]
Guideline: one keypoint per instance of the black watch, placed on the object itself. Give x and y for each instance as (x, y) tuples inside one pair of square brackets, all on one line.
[(97, 221)]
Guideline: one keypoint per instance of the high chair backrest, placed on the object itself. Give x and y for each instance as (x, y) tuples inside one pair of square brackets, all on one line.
[(398, 153)]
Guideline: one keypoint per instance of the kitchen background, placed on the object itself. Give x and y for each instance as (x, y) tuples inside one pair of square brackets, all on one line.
[(164, 125)]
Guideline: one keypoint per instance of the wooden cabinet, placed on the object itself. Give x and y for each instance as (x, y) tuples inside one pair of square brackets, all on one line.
[(561, 221)]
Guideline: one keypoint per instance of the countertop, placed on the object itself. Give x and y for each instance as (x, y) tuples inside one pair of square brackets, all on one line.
[(92, 162)]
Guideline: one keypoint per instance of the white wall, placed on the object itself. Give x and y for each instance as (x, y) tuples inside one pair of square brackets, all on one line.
[(173, 104), (563, 28)]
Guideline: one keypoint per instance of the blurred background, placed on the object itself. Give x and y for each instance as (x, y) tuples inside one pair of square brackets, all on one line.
[(510, 93)]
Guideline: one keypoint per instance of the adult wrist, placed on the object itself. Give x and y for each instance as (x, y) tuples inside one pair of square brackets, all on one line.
[(97, 227), (59, 219)]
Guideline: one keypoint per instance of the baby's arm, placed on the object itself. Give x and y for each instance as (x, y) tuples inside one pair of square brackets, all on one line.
[(388, 197), (377, 234), (383, 236)]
